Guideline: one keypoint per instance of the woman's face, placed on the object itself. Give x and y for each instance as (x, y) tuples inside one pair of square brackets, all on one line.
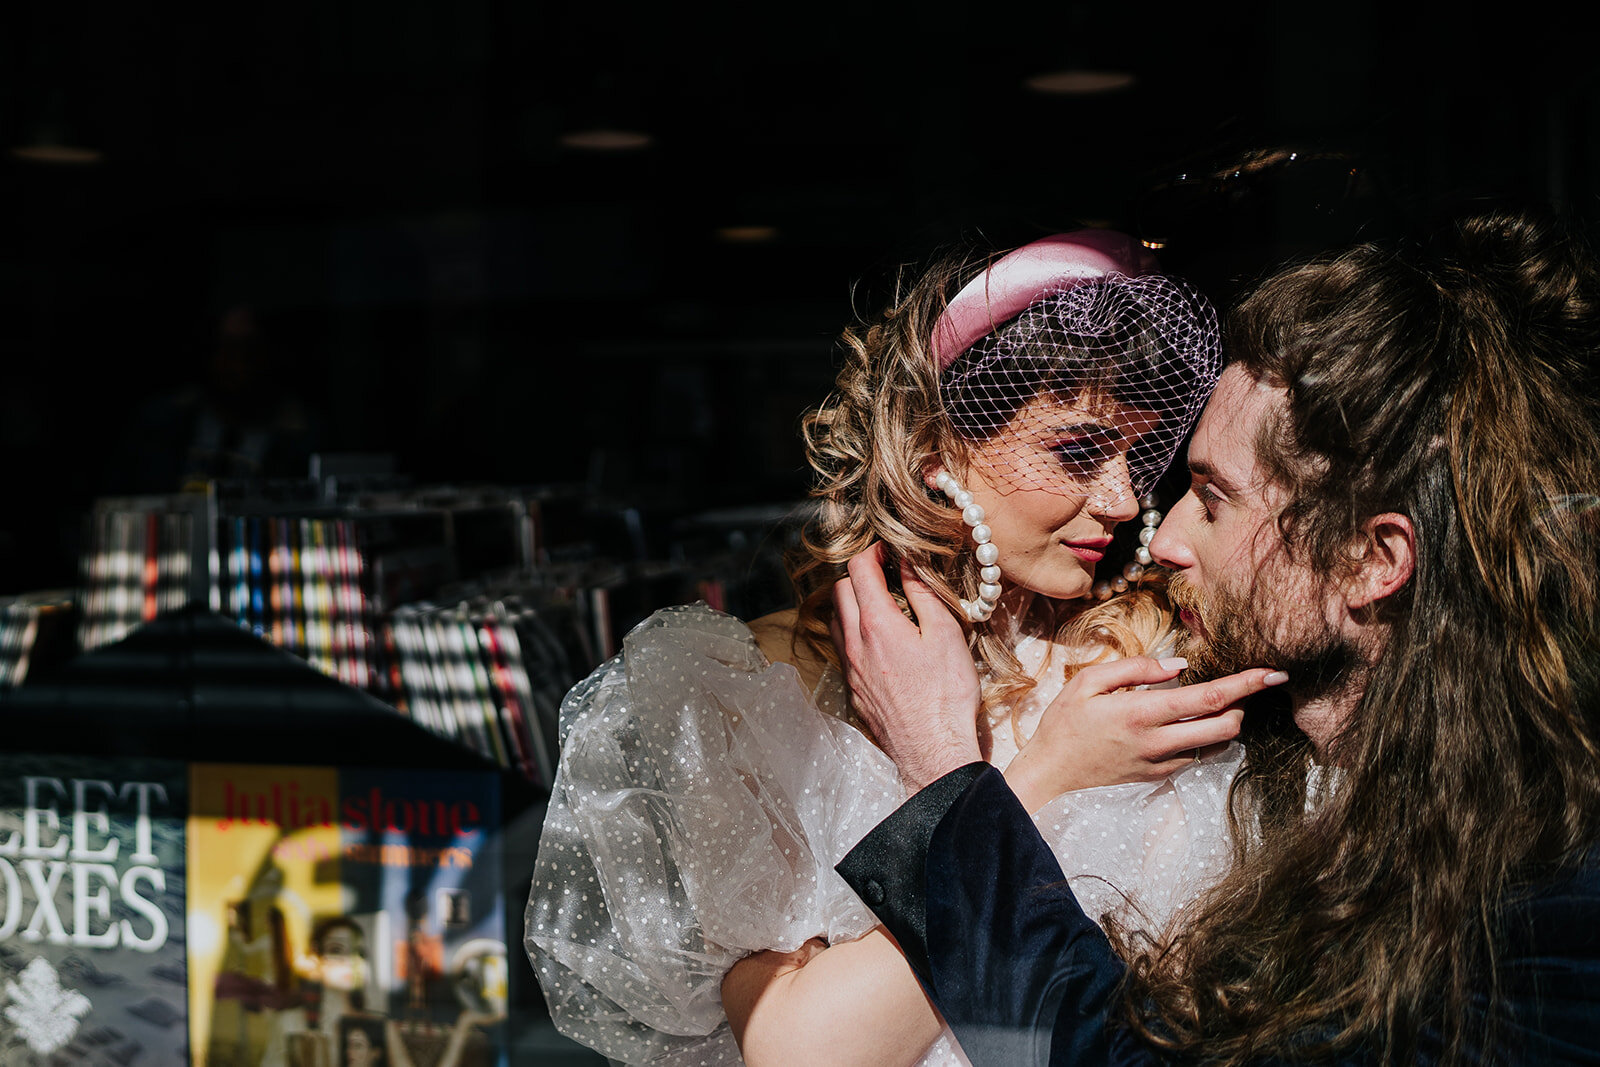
[(341, 961), (1053, 485), (358, 1049)]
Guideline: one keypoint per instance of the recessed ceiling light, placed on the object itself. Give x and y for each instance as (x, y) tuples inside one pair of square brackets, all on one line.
[(1081, 82), (62, 154), (607, 140), (747, 234)]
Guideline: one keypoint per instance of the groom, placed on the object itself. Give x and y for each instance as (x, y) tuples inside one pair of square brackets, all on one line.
[(1390, 500)]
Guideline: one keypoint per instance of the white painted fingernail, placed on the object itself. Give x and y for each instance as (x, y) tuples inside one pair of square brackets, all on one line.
[(1173, 663), (1275, 678)]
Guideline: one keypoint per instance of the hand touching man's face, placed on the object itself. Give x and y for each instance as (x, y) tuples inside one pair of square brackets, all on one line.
[(1242, 598)]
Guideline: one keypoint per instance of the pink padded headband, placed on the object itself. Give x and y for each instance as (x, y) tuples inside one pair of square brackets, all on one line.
[(1074, 312), (1019, 279)]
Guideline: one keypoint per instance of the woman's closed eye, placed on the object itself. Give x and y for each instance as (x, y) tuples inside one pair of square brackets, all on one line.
[(1084, 453)]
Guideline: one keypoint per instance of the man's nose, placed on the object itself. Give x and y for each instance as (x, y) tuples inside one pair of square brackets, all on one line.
[(1170, 546)]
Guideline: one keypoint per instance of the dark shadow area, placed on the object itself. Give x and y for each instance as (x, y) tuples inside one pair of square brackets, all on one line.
[(351, 228)]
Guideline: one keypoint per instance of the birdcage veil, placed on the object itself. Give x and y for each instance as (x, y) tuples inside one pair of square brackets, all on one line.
[(1077, 320)]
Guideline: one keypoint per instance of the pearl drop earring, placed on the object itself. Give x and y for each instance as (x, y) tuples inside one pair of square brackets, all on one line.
[(988, 555), (1149, 518)]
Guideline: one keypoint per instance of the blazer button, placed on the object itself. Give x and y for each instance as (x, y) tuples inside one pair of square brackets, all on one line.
[(874, 891)]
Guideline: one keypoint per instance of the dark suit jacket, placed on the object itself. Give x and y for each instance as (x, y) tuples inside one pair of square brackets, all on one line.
[(962, 879)]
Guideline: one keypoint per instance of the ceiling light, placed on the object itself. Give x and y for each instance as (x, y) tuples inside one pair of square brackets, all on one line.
[(51, 140), (607, 140), (59, 154), (747, 234), (1078, 81)]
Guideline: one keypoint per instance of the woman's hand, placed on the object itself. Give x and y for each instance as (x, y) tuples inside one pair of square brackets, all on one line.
[(913, 683), (1101, 731)]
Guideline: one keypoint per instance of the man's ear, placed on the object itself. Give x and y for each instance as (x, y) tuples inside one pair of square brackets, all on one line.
[(1387, 558)]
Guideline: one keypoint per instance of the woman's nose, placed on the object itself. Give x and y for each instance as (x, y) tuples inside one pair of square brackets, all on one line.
[(1113, 496)]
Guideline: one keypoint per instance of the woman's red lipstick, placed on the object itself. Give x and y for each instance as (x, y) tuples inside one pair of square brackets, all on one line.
[(1092, 550)]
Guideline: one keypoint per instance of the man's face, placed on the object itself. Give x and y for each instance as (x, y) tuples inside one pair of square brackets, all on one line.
[(1243, 600)]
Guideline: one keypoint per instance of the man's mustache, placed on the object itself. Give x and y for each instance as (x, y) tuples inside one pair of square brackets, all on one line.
[(1185, 597)]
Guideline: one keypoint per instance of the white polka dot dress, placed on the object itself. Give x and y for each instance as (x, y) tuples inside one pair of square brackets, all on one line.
[(702, 799)]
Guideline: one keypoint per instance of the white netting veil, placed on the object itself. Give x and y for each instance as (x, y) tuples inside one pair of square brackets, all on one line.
[(1092, 373)]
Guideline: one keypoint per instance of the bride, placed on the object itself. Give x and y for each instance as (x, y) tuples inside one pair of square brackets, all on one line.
[(684, 907)]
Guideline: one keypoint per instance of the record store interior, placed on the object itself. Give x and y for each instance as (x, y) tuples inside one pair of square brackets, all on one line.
[(503, 316)]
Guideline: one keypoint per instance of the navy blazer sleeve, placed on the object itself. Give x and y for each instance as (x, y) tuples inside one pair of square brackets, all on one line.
[(961, 878)]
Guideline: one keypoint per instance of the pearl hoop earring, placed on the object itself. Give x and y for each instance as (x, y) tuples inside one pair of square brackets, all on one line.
[(988, 555), (1149, 518)]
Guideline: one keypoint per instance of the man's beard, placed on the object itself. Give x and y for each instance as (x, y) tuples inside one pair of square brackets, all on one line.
[(1239, 631)]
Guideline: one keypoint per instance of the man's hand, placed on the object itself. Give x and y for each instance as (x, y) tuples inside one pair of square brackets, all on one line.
[(1102, 731), (912, 682)]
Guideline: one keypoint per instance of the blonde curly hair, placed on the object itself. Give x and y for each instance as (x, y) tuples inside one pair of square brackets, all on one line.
[(869, 444)]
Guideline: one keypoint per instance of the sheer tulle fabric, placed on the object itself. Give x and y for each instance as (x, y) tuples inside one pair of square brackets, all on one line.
[(702, 800)]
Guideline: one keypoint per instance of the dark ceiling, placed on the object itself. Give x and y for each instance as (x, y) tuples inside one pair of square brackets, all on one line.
[(436, 274)]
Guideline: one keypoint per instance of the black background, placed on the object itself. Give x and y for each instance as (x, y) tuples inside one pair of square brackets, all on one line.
[(434, 274)]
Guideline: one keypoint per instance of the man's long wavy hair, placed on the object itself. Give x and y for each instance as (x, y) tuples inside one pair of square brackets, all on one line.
[(1456, 388), (869, 444)]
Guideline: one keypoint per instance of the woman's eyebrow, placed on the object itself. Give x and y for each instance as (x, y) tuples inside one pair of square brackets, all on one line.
[(1084, 429)]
